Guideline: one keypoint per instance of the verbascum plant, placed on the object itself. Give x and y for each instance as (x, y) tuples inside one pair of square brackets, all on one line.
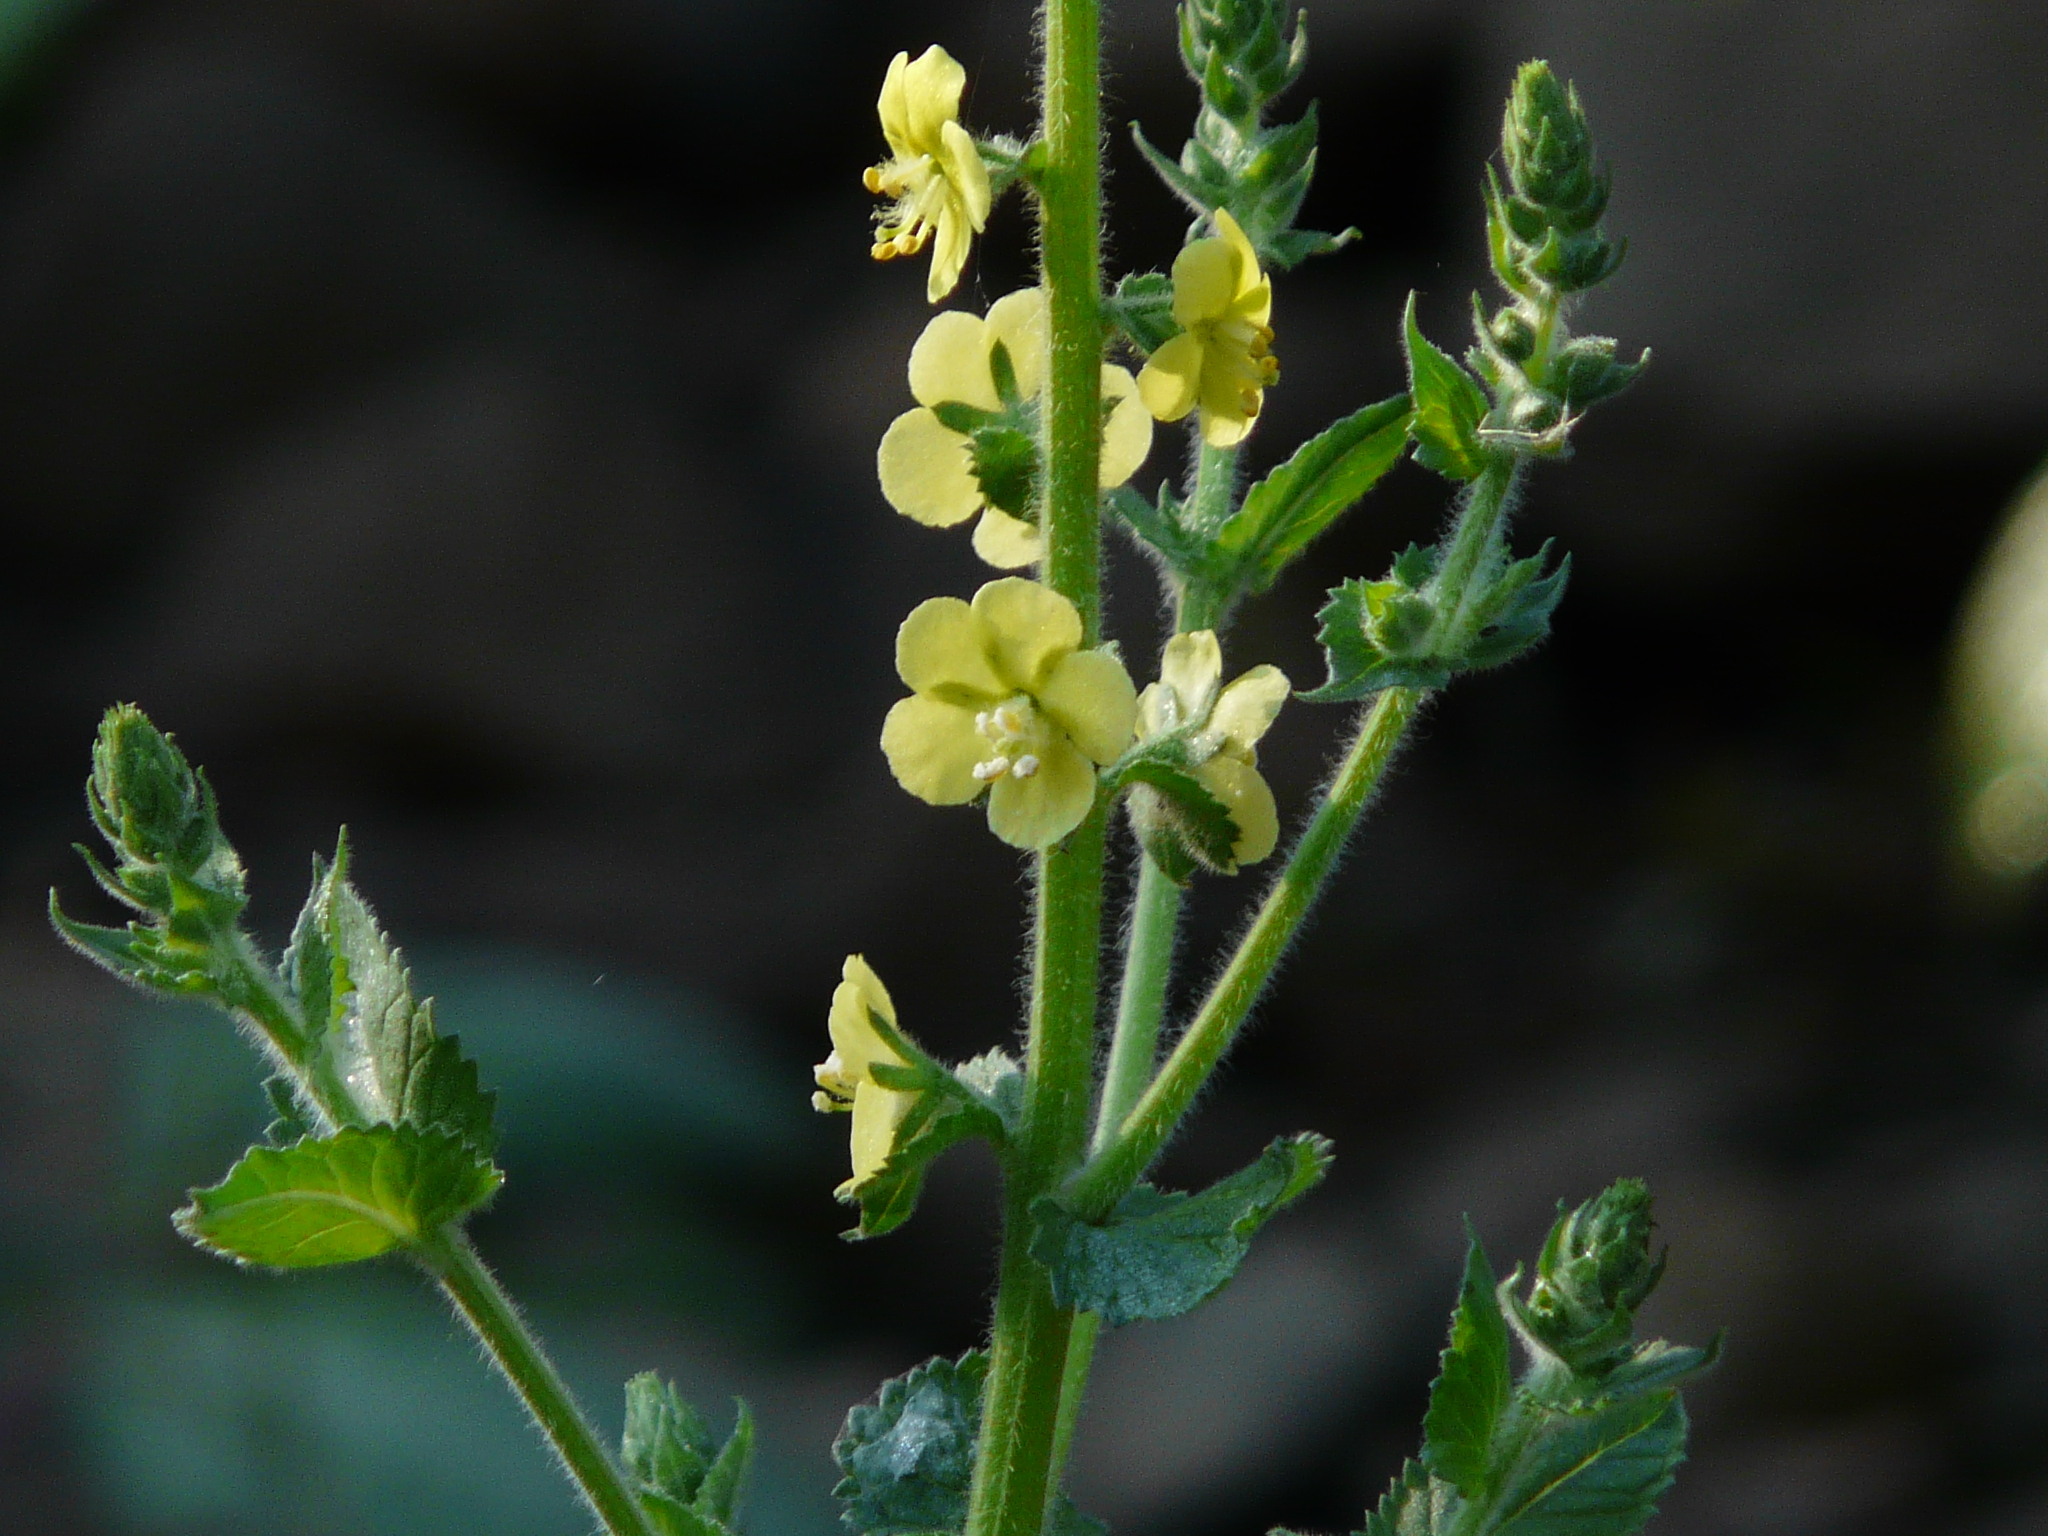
[(1032, 421)]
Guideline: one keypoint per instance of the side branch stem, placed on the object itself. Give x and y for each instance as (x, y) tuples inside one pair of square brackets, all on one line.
[(1113, 1170), (482, 1303)]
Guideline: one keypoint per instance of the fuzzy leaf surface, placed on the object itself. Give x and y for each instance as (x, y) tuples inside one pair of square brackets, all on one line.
[(1448, 407), (1475, 1385), (350, 1196), (1590, 1473), (1416, 1505), (378, 1042), (1322, 481), (689, 1484), (908, 1457), (1161, 1254)]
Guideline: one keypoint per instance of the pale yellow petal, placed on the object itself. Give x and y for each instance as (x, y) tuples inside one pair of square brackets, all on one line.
[(1127, 436), (960, 158), (855, 968), (1227, 415), (1090, 696), (1170, 383), (892, 109), (1245, 795), (950, 362), (1192, 666), (1205, 280), (854, 1038), (1026, 628), (1246, 709), (932, 748), (1158, 710), (877, 1111), (931, 96), (1037, 812), (1007, 543), (1256, 303), (1244, 259), (949, 253), (927, 471), (1018, 321), (942, 650)]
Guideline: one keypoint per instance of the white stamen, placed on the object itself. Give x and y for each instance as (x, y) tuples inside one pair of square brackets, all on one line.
[(981, 722), (1025, 766), (994, 768)]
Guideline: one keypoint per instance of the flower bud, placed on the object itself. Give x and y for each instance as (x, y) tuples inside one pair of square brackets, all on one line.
[(1595, 1270)]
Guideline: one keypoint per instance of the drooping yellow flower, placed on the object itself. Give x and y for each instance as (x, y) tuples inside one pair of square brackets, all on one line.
[(845, 1078), (1220, 362), (938, 476), (934, 170), (1003, 699), (1224, 726)]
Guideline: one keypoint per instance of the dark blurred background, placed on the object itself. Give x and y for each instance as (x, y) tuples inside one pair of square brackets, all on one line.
[(457, 419)]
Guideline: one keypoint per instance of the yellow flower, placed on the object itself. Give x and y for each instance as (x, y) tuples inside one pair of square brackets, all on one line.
[(934, 170), (1222, 303), (929, 471), (1223, 729), (1004, 700), (845, 1081)]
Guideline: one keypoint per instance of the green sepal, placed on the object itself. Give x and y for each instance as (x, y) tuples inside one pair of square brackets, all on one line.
[(373, 1038), (688, 1483), (1449, 407), (337, 1199), (1180, 824), (1142, 310), (138, 954), (997, 1081), (1161, 1254), (1324, 479), (1005, 460), (1586, 371), (948, 1110), (1474, 1386), (958, 416), (1008, 160), (907, 1458)]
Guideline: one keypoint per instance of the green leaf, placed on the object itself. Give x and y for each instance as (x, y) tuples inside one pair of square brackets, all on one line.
[(349, 1196), (1474, 1387), (688, 1483), (908, 1457), (1596, 1473), (1448, 407), (1323, 480), (1358, 665), (1158, 526), (374, 1038), (1162, 1254), (1516, 613), (1416, 1505)]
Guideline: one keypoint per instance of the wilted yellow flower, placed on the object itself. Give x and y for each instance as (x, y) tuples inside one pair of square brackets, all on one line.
[(1220, 362), (934, 170), (1224, 727), (1003, 699), (938, 476), (845, 1080)]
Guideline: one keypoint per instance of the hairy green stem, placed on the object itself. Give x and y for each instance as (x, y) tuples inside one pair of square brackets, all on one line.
[(1018, 1453), (1476, 543), (1141, 1001), (482, 1303), (1120, 1164)]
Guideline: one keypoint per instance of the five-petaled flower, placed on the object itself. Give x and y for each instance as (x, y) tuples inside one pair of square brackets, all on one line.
[(845, 1078), (1003, 699), (934, 170), (1222, 727), (1220, 362), (986, 461)]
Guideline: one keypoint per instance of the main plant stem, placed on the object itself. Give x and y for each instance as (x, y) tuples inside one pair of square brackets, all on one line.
[(482, 1303), (1020, 1449)]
